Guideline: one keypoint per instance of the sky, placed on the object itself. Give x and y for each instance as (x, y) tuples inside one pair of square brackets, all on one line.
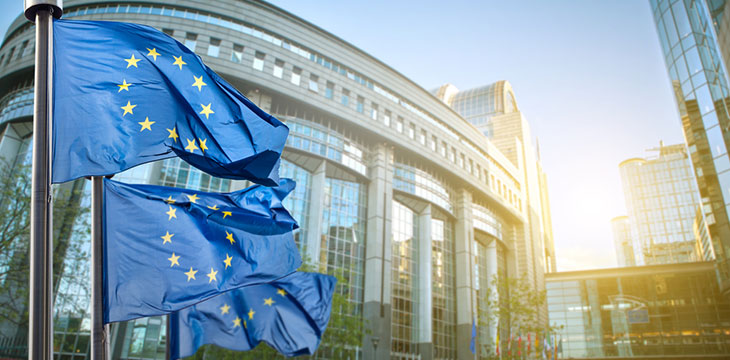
[(588, 76)]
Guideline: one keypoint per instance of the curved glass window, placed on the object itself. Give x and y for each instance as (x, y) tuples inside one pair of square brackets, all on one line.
[(422, 184), (404, 276), (485, 220), (324, 142), (298, 201), (444, 306), (17, 103)]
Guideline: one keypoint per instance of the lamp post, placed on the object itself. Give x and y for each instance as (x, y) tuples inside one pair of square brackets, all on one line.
[(375, 341)]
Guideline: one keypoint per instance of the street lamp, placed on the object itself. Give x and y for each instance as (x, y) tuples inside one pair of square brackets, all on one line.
[(375, 341)]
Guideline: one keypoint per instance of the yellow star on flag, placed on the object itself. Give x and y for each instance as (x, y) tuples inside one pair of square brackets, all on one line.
[(173, 134), (214, 207), (191, 145), (146, 124), (191, 274), (203, 147), (128, 108), (193, 198), (229, 237), (281, 292), (224, 309), (124, 85), (250, 313), (171, 213), (211, 275), (169, 200), (178, 61), (226, 213), (227, 261), (268, 302), (132, 61), (199, 82), (153, 52), (206, 110), (237, 322), (167, 238), (173, 260)]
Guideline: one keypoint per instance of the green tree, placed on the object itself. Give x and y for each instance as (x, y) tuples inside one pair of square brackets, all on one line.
[(69, 221), (513, 305)]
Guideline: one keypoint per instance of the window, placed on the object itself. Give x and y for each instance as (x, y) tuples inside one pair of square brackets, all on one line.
[(313, 82), (399, 124), (461, 160), (237, 55), (386, 118), (434, 141), (296, 76), (374, 112), (360, 107), (443, 148), (411, 131), (345, 97), (278, 68), (258, 61), (329, 91), (23, 47), (10, 56), (469, 166), (191, 41), (452, 155), (214, 48), (168, 31), (422, 137)]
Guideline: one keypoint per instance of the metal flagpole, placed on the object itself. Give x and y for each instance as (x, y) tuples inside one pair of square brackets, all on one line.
[(40, 342), (99, 332)]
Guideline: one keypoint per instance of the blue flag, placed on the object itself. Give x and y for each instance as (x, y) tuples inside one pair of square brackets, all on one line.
[(126, 94), (289, 314), (473, 342), (167, 248)]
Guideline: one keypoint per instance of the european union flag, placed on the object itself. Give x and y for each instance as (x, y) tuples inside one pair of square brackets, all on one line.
[(289, 314), (167, 248), (126, 94)]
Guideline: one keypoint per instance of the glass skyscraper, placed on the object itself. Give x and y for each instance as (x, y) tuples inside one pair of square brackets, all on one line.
[(688, 35), (661, 199), (395, 190)]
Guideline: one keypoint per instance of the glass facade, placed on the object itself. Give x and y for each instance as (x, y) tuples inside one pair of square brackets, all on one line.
[(687, 35), (661, 198), (444, 304), (640, 311), (405, 276)]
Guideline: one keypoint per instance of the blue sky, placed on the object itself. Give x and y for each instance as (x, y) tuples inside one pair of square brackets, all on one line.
[(588, 75)]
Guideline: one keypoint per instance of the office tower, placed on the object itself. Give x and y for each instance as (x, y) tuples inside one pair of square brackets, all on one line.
[(661, 200), (622, 241), (688, 35)]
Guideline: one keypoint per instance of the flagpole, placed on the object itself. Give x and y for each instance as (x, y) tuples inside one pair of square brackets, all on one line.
[(99, 331), (40, 332)]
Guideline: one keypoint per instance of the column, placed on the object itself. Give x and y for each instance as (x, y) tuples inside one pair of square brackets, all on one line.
[(464, 265), (313, 242), (376, 299), (424, 303)]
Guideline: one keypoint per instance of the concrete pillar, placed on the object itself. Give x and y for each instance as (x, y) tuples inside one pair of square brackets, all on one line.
[(464, 265), (377, 293), (313, 242), (424, 310)]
